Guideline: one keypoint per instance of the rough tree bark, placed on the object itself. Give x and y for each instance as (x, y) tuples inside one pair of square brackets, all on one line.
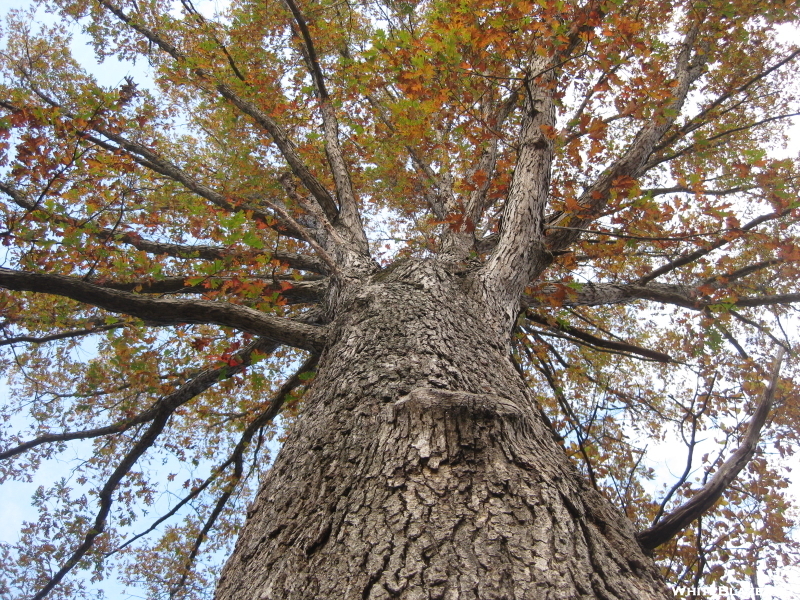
[(423, 469)]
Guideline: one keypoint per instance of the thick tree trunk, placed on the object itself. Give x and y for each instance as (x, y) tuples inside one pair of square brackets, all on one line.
[(422, 469)]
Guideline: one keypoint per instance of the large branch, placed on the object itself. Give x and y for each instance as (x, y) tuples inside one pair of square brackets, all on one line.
[(669, 526), (520, 253), (523, 251), (687, 296), (165, 311), (294, 292), (349, 215)]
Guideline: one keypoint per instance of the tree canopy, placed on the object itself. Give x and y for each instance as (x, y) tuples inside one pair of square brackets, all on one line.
[(620, 166)]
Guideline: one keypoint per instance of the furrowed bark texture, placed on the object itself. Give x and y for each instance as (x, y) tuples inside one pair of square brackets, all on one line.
[(422, 469)]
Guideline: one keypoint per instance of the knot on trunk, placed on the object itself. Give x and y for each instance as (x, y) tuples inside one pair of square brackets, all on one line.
[(442, 426)]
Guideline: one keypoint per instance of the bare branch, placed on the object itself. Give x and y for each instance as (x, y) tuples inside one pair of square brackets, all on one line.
[(581, 435), (596, 341), (682, 189), (74, 333), (263, 419), (669, 526), (306, 235), (731, 339), (720, 280), (761, 328), (691, 443)]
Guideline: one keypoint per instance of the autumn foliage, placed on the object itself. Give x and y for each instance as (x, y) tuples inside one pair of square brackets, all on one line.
[(165, 259)]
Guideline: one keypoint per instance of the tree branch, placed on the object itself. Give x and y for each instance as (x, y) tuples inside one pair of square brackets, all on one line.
[(151, 160), (631, 164), (285, 145), (307, 236), (520, 254), (596, 341), (294, 292), (696, 122), (693, 146), (669, 526), (699, 253), (29, 339), (292, 259), (186, 392), (105, 497), (691, 444), (237, 458), (687, 296), (265, 417), (558, 391), (164, 311), (349, 215)]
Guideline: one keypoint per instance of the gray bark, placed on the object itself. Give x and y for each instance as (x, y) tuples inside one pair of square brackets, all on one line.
[(422, 468)]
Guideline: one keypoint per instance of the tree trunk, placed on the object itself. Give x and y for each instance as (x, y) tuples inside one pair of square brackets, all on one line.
[(421, 468)]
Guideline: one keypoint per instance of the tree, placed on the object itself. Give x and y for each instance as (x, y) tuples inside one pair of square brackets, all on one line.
[(481, 256)]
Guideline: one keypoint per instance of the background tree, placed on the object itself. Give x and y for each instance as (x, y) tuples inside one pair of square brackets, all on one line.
[(483, 257)]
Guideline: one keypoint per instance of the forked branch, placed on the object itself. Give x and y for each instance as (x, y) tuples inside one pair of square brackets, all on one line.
[(669, 526), (633, 162)]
